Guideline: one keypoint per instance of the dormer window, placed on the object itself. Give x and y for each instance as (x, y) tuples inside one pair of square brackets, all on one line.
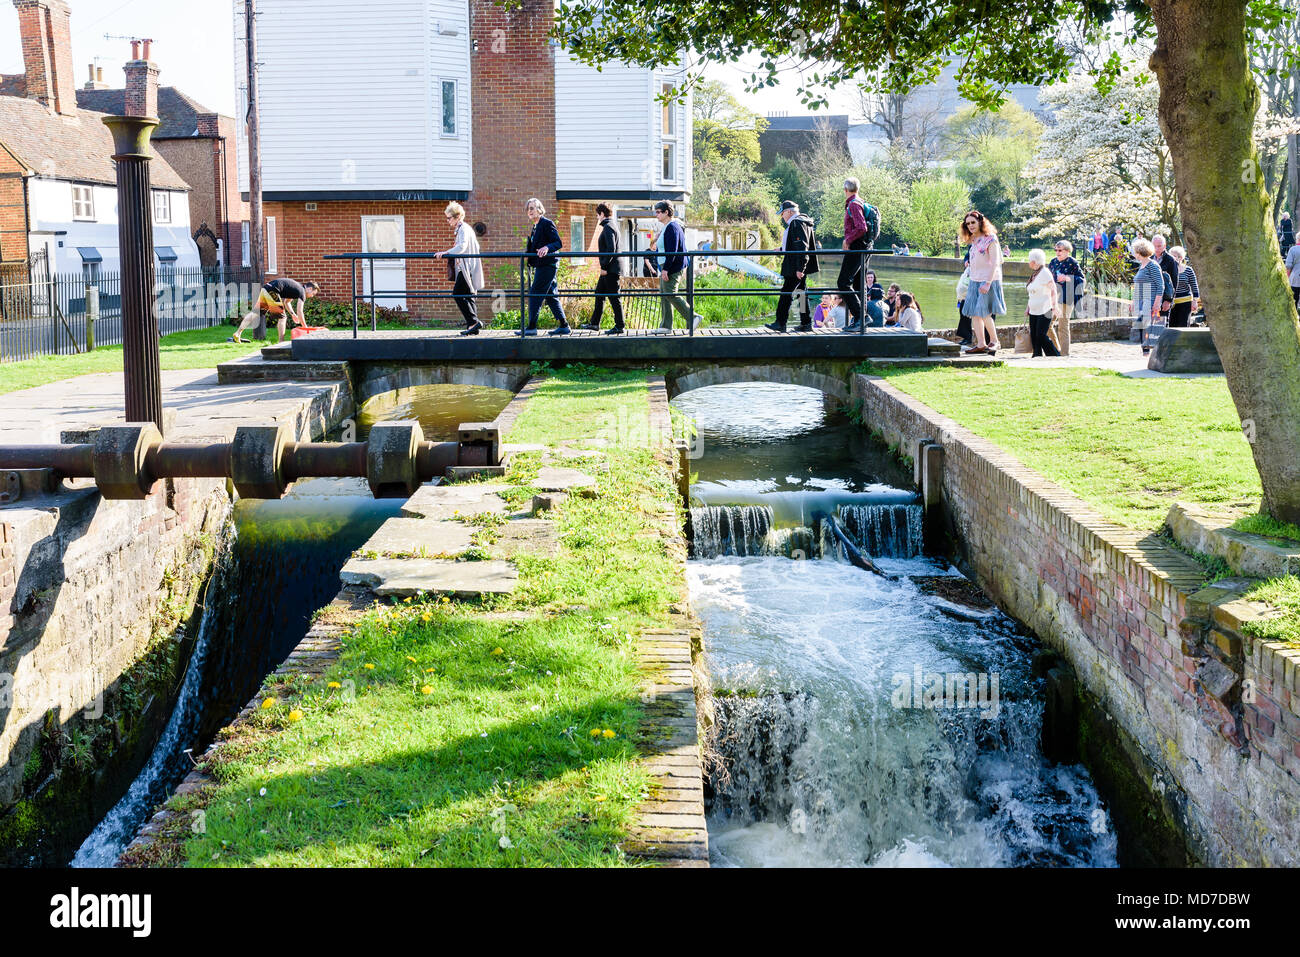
[(83, 203)]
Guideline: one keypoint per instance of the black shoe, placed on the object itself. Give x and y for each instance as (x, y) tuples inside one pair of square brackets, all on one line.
[(803, 328), (614, 331), (852, 327), (965, 343), (472, 329), (530, 331), (590, 326), (775, 327), (559, 331)]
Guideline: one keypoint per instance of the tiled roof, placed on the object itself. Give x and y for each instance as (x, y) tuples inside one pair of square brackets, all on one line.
[(76, 147), (13, 84), (177, 112)]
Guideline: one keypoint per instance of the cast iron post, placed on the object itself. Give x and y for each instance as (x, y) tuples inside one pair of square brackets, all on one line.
[(135, 246)]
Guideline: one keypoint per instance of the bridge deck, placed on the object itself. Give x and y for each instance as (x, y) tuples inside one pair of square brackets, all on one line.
[(638, 345)]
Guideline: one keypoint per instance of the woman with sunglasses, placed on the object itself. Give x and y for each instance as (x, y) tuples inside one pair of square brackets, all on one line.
[(984, 300)]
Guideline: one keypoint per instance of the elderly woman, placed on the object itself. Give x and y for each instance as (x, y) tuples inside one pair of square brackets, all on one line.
[(1187, 294), (984, 300), (468, 268), (1043, 305), (1148, 287), (1069, 280)]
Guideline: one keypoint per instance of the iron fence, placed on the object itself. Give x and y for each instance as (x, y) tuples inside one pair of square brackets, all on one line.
[(52, 315)]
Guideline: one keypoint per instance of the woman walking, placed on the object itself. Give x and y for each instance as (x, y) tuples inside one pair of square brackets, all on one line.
[(469, 271), (984, 300), (1187, 294), (1043, 306), (1148, 287)]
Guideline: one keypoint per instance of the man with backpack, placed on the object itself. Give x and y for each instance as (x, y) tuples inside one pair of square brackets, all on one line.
[(861, 227), (796, 267)]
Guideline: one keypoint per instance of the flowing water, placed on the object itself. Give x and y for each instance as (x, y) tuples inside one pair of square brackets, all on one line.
[(278, 563), (858, 721)]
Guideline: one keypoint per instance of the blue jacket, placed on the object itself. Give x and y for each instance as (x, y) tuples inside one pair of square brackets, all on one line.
[(674, 241), (544, 236)]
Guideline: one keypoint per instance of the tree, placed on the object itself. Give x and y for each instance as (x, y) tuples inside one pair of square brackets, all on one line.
[(934, 215), (1104, 162), (912, 123), (991, 150), (723, 127), (877, 186), (1207, 108)]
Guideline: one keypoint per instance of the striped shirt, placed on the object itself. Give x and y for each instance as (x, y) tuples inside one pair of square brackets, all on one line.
[(1148, 287), (1187, 287)]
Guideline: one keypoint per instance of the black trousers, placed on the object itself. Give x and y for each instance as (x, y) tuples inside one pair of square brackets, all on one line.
[(1295, 291), (789, 285), (607, 288), (964, 331), (851, 277), (465, 299), (541, 291), (1042, 343), (1180, 313)]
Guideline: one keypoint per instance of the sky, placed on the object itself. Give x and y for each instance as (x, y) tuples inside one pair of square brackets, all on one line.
[(179, 28)]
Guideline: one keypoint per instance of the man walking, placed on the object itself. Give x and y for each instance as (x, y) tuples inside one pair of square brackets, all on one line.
[(611, 268), (796, 267), (858, 236), (283, 298), (672, 242), (543, 240)]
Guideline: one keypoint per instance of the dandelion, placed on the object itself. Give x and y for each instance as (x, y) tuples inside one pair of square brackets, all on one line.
[(607, 733), (595, 732), (369, 666), (427, 689), (599, 797), (268, 703), (295, 715), (429, 671), (445, 599), (333, 684), (427, 617), (410, 659), (498, 651), (406, 600)]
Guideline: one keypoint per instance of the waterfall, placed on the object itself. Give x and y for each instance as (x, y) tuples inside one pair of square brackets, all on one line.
[(168, 760), (730, 530), (884, 531)]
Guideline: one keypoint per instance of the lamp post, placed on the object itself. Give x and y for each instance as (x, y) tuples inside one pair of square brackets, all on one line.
[(141, 367), (715, 194)]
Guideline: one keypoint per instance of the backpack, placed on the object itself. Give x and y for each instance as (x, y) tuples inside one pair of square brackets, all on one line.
[(871, 216)]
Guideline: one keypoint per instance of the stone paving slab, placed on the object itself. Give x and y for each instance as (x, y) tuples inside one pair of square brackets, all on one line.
[(402, 577), (526, 536), (552, 478), (456, 501), (420, 538)]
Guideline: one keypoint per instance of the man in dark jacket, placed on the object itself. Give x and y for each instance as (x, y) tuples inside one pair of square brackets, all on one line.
[(542, 242), (796, 267), (1169, 266), (611, 268), (672, 243)]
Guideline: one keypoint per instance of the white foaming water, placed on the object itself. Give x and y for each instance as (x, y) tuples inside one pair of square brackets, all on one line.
[(823, 765)]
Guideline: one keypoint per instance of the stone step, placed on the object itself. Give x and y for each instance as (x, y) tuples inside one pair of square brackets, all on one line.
[(942, 347), (257, 369), (405, 577)]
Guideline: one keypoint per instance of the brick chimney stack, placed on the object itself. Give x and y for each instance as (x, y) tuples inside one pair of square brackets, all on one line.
[(141, 82), (45, 28)]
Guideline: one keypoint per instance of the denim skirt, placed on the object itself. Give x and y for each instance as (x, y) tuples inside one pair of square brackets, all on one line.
[(988, 303)]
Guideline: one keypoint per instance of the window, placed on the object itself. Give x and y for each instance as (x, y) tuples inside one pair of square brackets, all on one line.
[(668, 131), (83, 203), (669, 117), (578, 236), (670, 162), (272, 264), (448, 107), (244, 244), (162, 207), (90, 263)]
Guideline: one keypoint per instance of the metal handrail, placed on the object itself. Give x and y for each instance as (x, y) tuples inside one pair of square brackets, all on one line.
[(690, 255)]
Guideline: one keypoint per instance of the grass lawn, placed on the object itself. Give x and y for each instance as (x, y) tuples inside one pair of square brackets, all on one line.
[(445, 736)]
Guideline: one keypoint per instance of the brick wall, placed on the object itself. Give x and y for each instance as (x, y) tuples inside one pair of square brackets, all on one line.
[(13, 212), (1124, 609), (141, 97)]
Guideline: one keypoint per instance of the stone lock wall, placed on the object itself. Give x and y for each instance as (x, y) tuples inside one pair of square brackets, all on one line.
[(1215, 718)]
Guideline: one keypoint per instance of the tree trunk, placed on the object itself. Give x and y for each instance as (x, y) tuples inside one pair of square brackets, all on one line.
[(1208, 101)]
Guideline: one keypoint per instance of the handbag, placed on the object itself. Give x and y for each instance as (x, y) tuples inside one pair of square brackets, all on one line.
[(451, 269)]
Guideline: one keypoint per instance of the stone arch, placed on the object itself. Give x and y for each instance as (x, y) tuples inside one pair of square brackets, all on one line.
[(379, 378), (810, 376)]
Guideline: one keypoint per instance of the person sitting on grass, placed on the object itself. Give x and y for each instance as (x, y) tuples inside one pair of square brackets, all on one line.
[(909, 313), (283, 298)]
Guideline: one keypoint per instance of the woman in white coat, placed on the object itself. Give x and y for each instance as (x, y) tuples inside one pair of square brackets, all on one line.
[(469, 268)]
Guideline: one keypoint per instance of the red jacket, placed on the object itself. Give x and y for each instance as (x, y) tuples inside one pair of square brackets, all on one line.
[(855, 221)]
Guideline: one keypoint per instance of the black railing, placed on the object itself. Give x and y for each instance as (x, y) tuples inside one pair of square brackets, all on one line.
[(691, 292), (52, 316)]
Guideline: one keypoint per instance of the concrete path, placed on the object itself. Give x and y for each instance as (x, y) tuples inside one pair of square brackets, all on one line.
[(1122, 357), (203, 407)]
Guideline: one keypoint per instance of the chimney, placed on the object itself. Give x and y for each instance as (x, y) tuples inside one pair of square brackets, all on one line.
[(45, 28), (96, 81), (141, 82)]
